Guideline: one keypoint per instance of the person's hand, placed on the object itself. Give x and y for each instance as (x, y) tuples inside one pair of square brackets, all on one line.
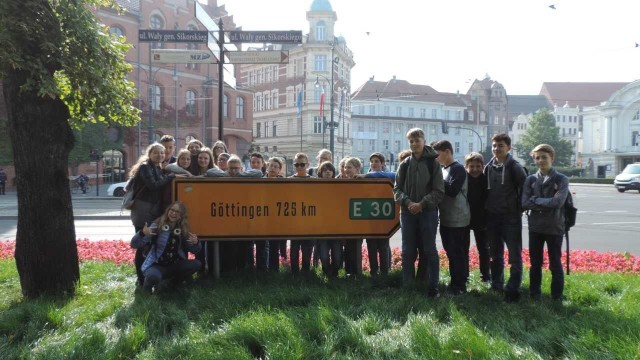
[(148, 230), (415, 208), (361, 176), (193, 238)]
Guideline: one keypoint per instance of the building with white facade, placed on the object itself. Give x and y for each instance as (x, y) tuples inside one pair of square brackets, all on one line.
[(289, 97), (383, 112), (611, 131)]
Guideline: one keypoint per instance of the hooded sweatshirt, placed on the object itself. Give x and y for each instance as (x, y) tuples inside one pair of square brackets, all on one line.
[(504, 184), (413, 185)]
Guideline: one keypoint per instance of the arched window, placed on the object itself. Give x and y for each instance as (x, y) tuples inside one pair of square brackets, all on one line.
[(239, 108), (156, 22), (190, 96), (116, 30)]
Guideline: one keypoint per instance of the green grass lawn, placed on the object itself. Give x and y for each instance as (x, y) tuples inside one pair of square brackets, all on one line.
[(278, 317)]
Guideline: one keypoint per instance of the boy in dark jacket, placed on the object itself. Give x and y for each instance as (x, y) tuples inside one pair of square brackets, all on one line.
[(477, 196), (505, 177), (544, 194)]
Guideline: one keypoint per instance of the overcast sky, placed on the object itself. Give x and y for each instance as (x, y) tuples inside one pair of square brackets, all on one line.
[(444, 43)]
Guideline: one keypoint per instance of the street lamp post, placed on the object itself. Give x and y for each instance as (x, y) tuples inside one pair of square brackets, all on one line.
[(331, 105)]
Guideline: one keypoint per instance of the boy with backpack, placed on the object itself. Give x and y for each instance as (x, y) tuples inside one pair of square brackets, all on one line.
[(419, 188), (544, 195)]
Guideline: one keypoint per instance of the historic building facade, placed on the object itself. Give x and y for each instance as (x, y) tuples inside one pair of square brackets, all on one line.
[(294, 103), (177, 99)]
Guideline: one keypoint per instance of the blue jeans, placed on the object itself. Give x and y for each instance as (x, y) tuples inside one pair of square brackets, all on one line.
[(422, 226), (457, 249), (181, 269), (536, 252), (505, 229)]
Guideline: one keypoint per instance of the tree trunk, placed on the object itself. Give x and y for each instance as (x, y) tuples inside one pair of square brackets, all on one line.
[(46, 253)]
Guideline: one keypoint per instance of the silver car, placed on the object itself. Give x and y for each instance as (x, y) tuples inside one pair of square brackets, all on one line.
[(629, 179), (117, 189)]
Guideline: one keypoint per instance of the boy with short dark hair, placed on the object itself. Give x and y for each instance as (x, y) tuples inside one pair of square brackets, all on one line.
[(505, 177), (477, 195), (454, 217), (419, 189), (169, 144), (544, 194)]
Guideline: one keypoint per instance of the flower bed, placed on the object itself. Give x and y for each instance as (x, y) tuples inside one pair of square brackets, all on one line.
[(120, 252)]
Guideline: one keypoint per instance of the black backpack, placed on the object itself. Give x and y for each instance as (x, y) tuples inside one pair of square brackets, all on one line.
[(570, 212)]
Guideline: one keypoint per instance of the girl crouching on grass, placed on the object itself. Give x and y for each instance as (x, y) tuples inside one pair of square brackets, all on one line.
[(170, 241)]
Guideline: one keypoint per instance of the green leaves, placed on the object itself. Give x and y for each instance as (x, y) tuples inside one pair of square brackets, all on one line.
[(542, 129)]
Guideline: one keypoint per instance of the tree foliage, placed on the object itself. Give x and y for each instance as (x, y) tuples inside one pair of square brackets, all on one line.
[(542, 129)]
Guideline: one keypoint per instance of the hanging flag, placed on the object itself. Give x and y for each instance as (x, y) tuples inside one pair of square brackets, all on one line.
[(321, 103), (340, 116), (299, 101)]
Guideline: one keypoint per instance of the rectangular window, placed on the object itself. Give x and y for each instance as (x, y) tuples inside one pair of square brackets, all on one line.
[(273, 133), (434, 113), (397, 145), (372, 126), (321, 63), (385, 128), (372, 145), (398, 111), (470, 147), (457, 147), (398, 128), (372, 109), (360, 126), (423, 113), (458, 114), (317, 125), (258, 134), (386, 110), (446, 114), (385, 144), (411, 114), (266, 129), (360, 145)]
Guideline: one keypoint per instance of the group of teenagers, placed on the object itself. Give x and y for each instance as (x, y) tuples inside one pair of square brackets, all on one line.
[(431, 187)]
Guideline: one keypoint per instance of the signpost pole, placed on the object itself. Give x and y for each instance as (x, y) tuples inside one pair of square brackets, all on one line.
[(151, 88), (331, 108), (220, 80)]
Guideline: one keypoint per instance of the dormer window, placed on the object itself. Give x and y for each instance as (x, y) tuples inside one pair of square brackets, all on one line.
[(320, 31)]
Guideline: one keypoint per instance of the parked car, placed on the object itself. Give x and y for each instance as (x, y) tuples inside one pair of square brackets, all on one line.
[(117, 189), (629, 178)]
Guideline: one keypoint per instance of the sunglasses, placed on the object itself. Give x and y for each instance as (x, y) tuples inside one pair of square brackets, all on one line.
[(300, 164)]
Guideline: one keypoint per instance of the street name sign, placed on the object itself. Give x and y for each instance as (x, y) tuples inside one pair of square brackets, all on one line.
[(302, 209), (273, 37), (258, 57), (173, 36), (181, 56)]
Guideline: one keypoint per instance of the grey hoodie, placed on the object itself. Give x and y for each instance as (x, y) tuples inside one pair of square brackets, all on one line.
[(504, 183), (412, 181)]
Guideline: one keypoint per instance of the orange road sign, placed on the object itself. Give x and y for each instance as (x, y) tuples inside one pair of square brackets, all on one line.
[(236, 208)]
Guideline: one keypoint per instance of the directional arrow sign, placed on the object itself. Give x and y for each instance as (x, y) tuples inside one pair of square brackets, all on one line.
[(273, 37), (180, 56), (233, 209), (258, 57)]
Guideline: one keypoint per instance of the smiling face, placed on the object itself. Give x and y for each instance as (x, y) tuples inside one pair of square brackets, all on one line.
[(174, 214), (156, 155), (184, 161), (256, 163), (474, 168), (203, 160), (376, 164), (194, 148), (169, 147), (234, 168), (500, 150), (222, 163)]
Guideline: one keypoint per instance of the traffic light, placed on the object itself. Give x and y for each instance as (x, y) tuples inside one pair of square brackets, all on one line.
[(445, 127)]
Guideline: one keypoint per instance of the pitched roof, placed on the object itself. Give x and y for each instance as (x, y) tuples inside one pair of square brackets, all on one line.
[(526, 104), (579, 93), (403, 90)]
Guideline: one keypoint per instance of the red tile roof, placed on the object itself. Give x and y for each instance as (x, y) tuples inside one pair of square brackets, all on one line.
[(404, 90), (579, 93)]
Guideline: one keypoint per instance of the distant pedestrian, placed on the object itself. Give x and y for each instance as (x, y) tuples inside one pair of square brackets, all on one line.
[(3, 181), (505, 177), (544, 194), (419, 189), (82, 181)]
